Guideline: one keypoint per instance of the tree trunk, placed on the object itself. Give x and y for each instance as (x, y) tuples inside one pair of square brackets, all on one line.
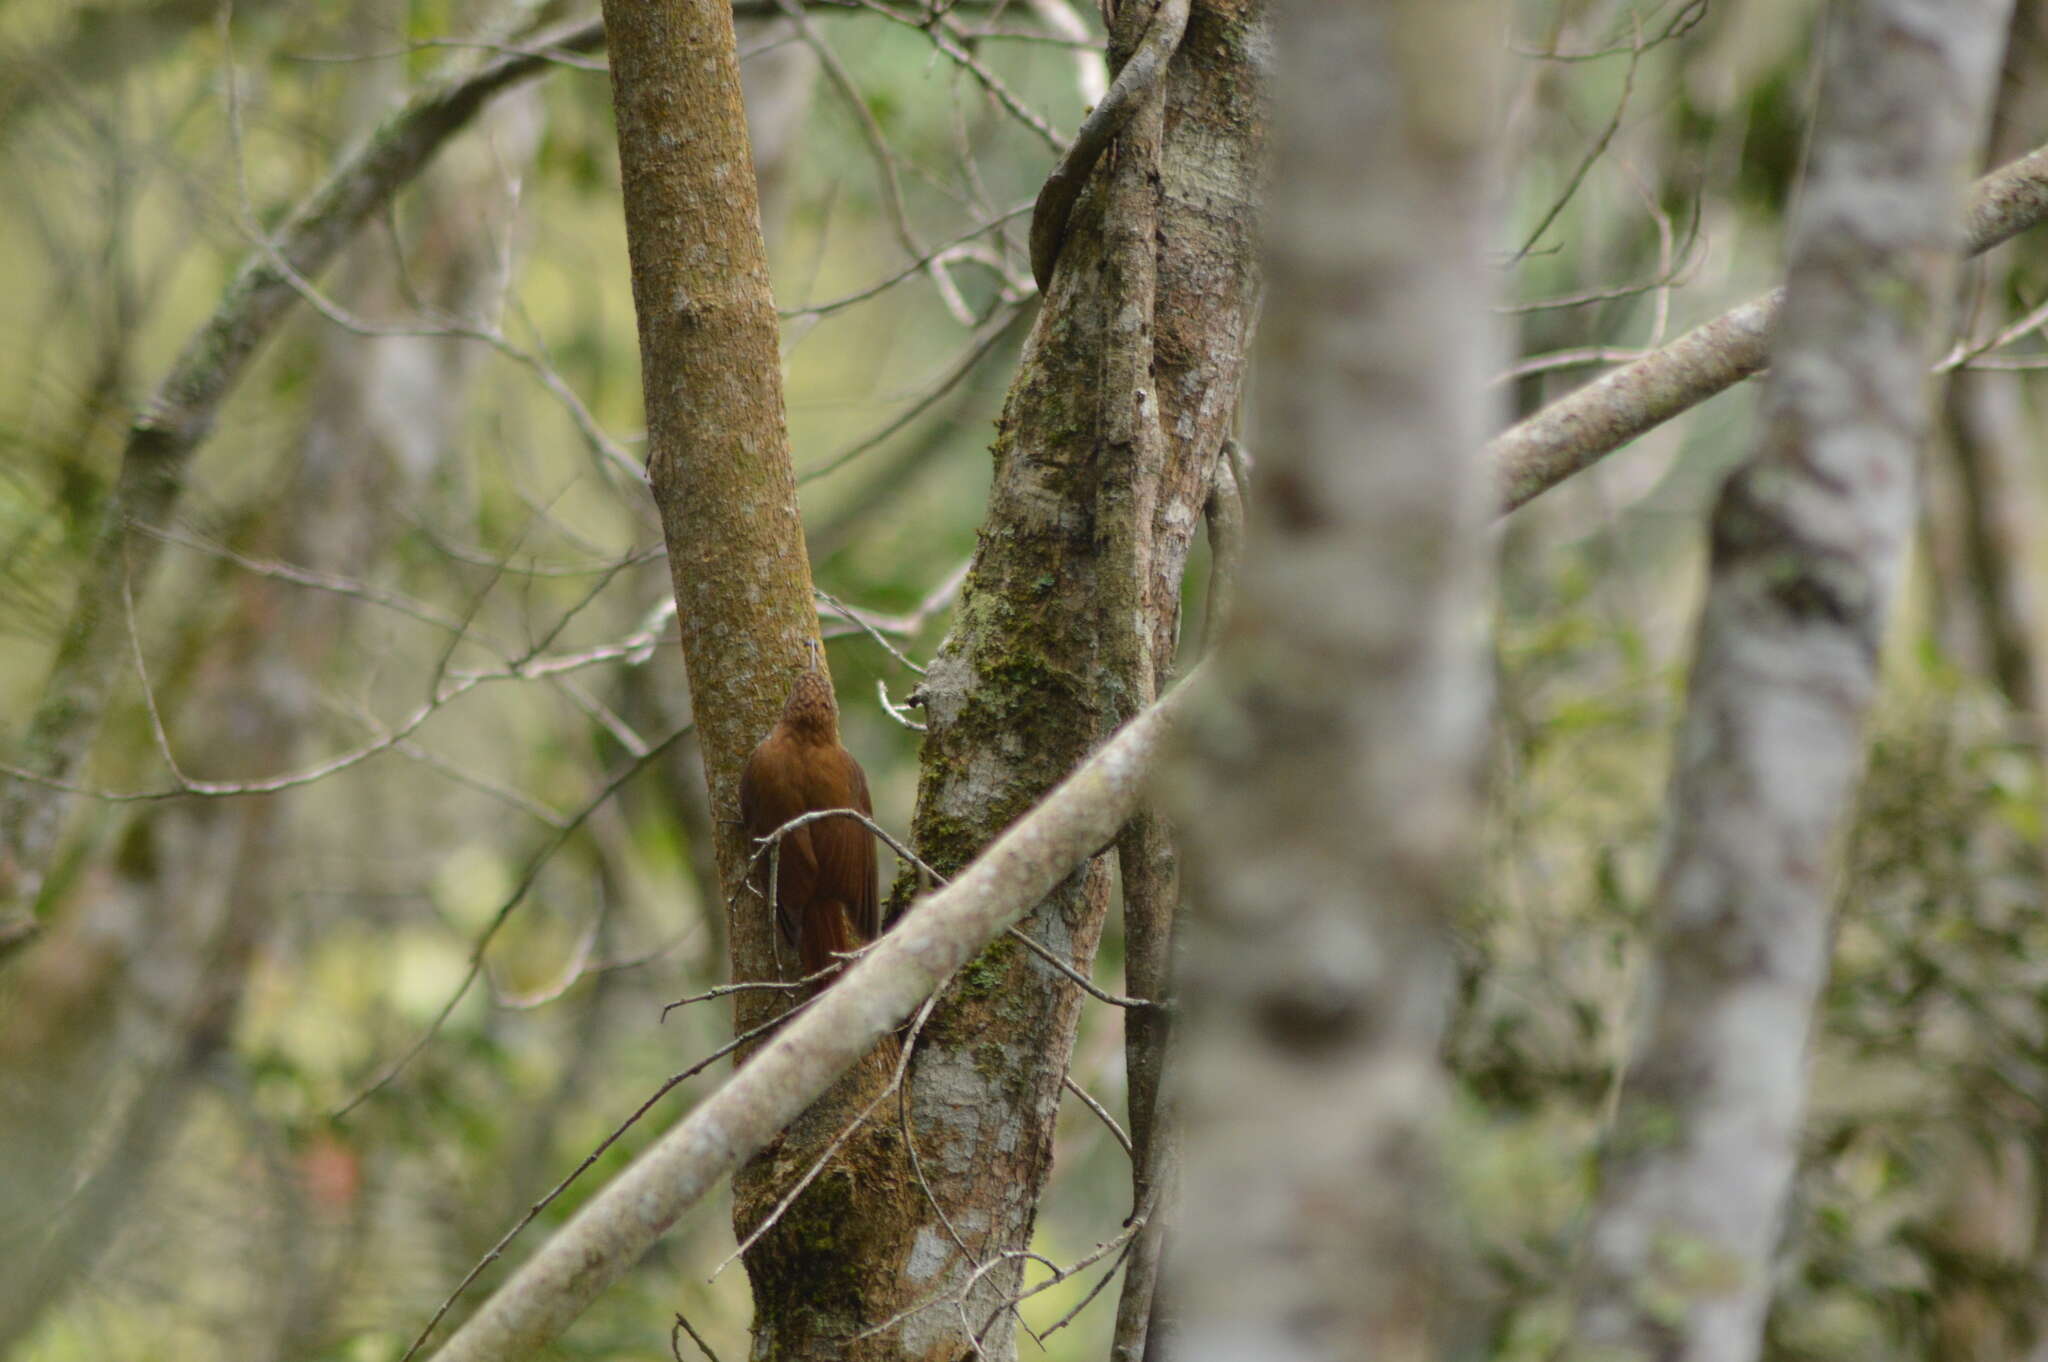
[(1991, 436), (1103, 460), (1334, 803), (718, 459), (1808, 542)]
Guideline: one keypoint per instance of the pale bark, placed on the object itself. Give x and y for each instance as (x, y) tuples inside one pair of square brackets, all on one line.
[(1334, 809), (1808, 543), (1578, 430), (789, 1072)]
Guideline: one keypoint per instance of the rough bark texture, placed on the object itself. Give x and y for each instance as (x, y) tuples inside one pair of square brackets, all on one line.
[(718, 460), (1106, 447), (720, 469), (1578, 430), (1808, 543), (1334, 801)]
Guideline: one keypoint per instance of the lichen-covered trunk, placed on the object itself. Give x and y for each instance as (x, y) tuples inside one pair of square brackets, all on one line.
[(1331, 788), (1106, 447), (1808, 542)]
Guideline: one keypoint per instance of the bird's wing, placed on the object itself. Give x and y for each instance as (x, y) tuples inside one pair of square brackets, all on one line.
[(867, 908), (765, 805), (846, 855)]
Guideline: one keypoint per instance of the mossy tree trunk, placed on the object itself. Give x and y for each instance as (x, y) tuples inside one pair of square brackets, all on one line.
[(1106, 449)]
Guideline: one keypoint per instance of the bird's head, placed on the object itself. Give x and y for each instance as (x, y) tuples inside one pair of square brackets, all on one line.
[(812, 710)]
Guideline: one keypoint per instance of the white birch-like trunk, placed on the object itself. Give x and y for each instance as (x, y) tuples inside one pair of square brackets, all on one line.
[(1332, 795), (1808, 544)]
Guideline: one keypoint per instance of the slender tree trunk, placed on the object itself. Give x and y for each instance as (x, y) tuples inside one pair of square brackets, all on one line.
[(718, 460), (719, 465), (1808, 543), (1335, 801)]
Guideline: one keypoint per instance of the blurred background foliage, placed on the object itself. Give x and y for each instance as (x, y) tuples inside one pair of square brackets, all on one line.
[(405, 543)]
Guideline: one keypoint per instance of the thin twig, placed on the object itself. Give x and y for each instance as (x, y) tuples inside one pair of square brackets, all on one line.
[(915, 267), (847, 612), (1592, 156), (943, 34), (683, 1326), (990, 336), (900, 713), (1101, 1112), (845, 1134), (497, 1250), (504, 913), (1087, 985)]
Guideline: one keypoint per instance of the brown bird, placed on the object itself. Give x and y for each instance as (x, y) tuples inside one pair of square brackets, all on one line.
[(828, 899)]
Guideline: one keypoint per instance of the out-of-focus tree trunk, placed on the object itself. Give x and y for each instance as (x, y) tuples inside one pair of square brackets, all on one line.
[(1808, 542), (776, 86), (1334, 787)]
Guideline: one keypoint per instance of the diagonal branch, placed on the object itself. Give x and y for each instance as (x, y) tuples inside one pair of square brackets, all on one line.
[(937, 937), (1126, 96), (1578, 430)]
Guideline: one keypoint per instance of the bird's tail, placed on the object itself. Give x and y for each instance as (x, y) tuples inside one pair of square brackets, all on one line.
[(825, 936)]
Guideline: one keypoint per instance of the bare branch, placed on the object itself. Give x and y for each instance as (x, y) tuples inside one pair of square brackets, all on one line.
[(498, 919), (1578, 430), (497, 1250), (1101, 1112)]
